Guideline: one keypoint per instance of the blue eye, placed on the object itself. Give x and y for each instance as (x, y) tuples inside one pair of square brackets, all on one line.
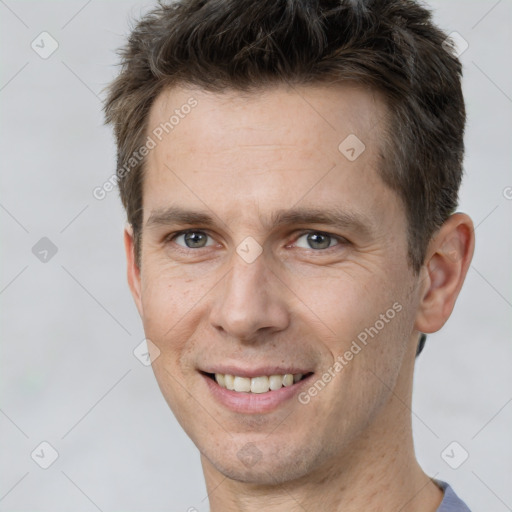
[(317, 240), (193, 239)]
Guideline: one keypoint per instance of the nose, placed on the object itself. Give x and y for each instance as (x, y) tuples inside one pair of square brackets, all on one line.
[(251, 301)]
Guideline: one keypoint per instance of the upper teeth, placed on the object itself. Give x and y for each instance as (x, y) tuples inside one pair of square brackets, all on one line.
[(256, 384)]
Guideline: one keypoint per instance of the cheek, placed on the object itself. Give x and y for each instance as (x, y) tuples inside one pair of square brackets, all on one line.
[(171, 305), (168, 303), (344, 305), (372, 354), (168, 292), (366, 323), (171, 383)]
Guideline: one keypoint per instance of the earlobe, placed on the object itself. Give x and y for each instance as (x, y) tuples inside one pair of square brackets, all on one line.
[(448, 258), (132, 270)]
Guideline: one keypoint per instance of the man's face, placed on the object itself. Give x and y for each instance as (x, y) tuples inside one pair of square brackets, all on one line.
[(265, 284)]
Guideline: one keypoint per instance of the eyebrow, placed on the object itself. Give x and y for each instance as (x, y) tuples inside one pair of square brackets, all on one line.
[(328, 216)]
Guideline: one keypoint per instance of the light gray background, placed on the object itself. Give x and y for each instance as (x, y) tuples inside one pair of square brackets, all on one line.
[(69, 326)]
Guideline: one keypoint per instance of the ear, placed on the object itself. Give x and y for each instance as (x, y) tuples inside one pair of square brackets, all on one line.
[(133, 271), (446, 264)]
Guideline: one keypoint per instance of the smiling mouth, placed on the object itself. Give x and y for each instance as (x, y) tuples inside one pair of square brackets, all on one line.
[(261, 384)]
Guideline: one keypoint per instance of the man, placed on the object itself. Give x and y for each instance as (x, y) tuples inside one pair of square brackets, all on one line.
[(290, 171)]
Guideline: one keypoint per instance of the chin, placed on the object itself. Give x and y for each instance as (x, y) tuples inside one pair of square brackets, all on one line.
[(249, 465), (268, 474)]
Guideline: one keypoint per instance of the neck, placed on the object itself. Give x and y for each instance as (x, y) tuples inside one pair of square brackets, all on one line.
[(377, 471)]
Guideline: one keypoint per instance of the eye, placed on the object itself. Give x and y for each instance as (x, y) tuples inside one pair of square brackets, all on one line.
[(316, 240), (192, 239)]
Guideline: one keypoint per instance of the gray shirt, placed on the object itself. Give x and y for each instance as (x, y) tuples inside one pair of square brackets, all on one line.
[(451, 502)]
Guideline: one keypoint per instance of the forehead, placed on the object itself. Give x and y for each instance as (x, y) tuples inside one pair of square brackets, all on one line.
[(271, 147), (275, 114)]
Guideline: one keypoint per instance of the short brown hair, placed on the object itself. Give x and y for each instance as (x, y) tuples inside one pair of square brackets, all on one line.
[(390, 45)]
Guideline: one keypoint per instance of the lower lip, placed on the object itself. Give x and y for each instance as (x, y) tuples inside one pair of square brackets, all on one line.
[(253, 403)]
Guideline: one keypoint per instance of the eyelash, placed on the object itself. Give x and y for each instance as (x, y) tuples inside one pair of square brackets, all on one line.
[(341, 241)]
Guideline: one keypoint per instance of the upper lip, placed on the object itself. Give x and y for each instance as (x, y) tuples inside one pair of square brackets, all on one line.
[(255, 372)]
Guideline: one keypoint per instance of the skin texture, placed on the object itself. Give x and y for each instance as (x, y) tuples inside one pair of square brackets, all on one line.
[(240, 158)]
